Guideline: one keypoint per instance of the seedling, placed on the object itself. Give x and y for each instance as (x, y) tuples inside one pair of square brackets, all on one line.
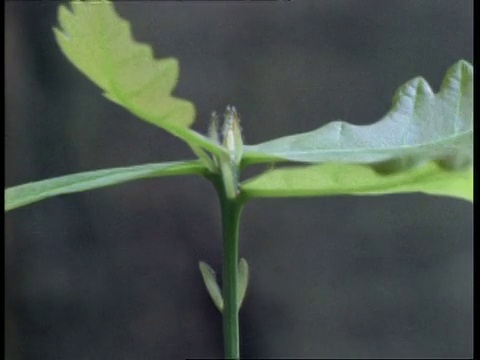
[(423, 144)]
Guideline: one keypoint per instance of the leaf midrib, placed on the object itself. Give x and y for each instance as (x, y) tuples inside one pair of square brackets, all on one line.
[(377, 150)]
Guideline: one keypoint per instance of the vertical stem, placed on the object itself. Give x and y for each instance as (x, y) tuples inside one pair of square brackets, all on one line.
[(231, 210)]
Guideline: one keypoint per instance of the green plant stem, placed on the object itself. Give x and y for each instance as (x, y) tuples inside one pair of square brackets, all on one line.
[(231, 210)]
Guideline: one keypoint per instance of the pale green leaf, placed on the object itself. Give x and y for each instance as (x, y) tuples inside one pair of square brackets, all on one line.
[(355, 179), (242, 283), (100, 44), (422, 126), (209, 278), (25, 194)]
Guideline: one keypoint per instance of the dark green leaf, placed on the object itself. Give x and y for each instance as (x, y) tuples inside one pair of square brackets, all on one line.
[(25, 194)]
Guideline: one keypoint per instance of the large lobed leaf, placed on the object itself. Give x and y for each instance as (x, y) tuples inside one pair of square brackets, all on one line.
[(422, 126), (424, 144), (356, 179), (100, 44), (25, 194)]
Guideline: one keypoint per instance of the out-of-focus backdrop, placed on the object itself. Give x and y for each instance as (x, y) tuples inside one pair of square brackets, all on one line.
[(113, 273)]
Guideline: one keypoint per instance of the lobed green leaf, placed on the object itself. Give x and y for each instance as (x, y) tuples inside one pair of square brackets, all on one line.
[(100, 44), (25, 194)]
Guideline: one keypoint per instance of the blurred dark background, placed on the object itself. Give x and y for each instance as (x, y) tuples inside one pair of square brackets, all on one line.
[(112, 273)]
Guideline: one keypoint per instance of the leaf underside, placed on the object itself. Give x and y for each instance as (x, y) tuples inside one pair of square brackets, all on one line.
[(25, 194), (421, 127), (100, 44)]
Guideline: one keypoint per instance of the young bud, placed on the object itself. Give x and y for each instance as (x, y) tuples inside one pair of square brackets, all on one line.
[(232, 135), (231, 139), (213, 128)]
